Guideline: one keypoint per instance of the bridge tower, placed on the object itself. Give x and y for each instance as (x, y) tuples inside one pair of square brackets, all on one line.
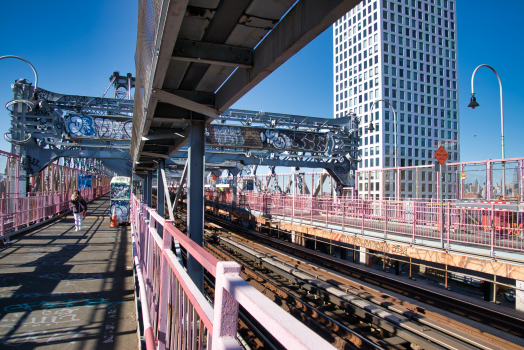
[(122, 85)]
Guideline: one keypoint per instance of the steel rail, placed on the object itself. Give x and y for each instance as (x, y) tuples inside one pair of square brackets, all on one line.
[(472, 311)]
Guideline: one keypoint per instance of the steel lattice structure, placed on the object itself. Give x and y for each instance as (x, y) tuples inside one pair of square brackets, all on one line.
[(88, 131)]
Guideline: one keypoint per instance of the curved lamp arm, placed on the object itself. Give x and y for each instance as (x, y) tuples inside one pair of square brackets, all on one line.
[(15, 142), (29, 104), (394, 123), (32, 67), (501, 100)]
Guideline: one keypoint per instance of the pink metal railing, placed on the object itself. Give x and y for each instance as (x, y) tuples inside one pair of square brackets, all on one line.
[(491, 226), (21, 210), (176, 315)]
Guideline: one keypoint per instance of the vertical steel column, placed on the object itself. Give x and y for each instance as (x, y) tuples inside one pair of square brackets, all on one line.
[(145, 190), (160, 193), (149, 187), (217, 175), (195, 197), (234, 194), (180, 187)]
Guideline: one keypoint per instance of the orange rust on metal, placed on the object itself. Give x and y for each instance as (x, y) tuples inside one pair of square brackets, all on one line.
[(488, 266), (452, 259)]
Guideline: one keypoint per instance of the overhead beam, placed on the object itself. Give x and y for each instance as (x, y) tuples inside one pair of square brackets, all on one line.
[(303, 23), (204, 98), (223, 55), (173, 99), (161, 136), (144, 168), (151, 154)]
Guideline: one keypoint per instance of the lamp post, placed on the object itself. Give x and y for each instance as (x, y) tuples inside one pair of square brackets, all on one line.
[(34, 98), (473, 103), (394, 135), (32, 102)]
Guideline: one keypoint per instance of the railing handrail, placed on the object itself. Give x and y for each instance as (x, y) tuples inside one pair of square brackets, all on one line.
[(230, 291), (208, 261), (488, 223)]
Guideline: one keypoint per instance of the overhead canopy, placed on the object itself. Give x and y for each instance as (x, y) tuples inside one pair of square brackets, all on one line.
[(196, 58)]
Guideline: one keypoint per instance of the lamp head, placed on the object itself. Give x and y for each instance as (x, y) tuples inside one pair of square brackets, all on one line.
[(34, 98), (371, 128), (473, 103)]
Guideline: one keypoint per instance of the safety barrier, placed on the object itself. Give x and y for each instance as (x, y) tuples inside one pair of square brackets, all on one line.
[(491, 224), (176, 314), (21, 210)]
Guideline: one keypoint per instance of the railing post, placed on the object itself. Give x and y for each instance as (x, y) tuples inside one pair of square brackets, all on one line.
[(386, 219), (3, 213), (327, 211), (225, 314), (362, 211), (492, 238), (163, 307), (449, 225), (414, 220), (343, 202)]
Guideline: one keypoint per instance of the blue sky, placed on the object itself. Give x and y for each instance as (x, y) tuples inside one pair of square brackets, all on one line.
[(75, 46)]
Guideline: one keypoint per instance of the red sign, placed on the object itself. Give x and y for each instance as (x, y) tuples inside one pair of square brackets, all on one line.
[(441, 155)]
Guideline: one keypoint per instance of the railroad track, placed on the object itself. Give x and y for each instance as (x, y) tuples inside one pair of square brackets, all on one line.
[(438, 331)]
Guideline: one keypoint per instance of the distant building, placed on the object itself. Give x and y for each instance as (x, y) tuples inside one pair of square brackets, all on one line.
[(403, 51)]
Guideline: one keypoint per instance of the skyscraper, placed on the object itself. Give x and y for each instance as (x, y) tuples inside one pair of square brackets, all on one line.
[(403, 51)]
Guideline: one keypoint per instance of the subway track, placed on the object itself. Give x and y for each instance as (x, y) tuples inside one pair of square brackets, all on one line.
[(505, 322), (429, 320), (299, 302), (345, 313)]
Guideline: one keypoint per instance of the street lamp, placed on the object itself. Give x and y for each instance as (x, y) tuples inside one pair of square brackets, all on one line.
[(34, 97), (394, 125), (473, 103), (394, 135)]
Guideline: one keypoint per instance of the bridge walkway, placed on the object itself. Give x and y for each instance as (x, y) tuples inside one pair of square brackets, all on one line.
[(69, 290)]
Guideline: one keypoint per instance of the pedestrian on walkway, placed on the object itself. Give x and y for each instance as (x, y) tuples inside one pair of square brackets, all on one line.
[(79, 206)]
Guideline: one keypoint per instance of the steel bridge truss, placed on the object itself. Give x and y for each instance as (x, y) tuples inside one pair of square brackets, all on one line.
[(39, 135), (89, 131)]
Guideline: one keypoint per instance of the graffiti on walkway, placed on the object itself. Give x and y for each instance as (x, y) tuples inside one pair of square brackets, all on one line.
[(53, 314), (65, 304)]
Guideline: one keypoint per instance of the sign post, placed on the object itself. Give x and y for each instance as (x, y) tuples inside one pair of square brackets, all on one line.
[(441, 156)]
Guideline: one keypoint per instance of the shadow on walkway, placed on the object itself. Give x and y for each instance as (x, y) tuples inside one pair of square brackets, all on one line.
[(67, 289)]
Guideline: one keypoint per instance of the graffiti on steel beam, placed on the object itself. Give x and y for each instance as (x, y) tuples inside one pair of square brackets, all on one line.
[(277, 139), (120, 191), (121, 208), (30, 164), (85, 126)]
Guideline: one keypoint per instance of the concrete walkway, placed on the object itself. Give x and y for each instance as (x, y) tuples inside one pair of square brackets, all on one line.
[(61, 289)]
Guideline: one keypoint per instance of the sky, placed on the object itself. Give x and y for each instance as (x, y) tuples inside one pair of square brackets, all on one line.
[(76, 45)]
